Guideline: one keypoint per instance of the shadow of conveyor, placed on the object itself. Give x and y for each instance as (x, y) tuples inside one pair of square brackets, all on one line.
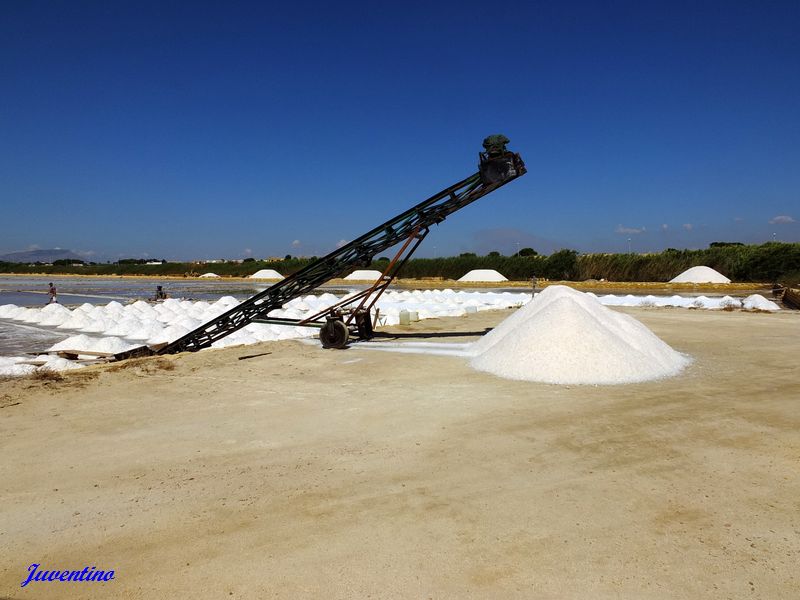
[(423, 335)]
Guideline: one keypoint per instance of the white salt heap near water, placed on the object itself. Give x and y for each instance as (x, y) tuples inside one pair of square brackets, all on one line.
[(364, 275), (700, 275), (483, 275), (756, 302), (567, 337), (266, 274), (209, 275)]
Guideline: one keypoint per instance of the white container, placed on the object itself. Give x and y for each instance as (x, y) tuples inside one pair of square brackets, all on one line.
[(471, 310), (405, 317), (413, 316)]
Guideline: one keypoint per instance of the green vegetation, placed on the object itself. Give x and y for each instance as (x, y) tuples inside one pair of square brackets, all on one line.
[(764, 263)]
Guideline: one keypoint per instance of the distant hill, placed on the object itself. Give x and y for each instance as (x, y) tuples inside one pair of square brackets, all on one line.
[(44, 256)]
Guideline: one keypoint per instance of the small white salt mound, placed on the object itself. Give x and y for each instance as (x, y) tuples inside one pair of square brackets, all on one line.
[(10, 367), (266, 274), (700, 275), (364, 275), (567, 337), (56, 363), (757, 302), (112, 345), (483, 275), (207, 275)]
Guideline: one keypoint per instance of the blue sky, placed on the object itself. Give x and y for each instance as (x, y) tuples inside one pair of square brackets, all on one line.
[(204, 130)]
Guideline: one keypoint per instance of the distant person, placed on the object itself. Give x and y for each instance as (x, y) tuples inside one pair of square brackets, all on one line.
[(52, 293), (160, 293)]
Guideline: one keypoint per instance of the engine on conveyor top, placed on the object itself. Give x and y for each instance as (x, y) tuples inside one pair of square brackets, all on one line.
[(498, 163)]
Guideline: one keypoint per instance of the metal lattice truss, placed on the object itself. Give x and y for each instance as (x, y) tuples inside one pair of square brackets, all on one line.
[(409, 228)]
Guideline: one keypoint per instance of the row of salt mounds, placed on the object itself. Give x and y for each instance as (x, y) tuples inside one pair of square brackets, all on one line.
[(364, 275), (725, 302), (483, 275), (567, 337), (209, 275), (700, 275), (115, 327), (266, 274)]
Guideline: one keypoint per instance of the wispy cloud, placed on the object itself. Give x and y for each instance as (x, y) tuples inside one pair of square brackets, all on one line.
[(664, 227), (341, 243), (34, 247), (247, 252), (688, 226), (629, 230), (781, 220), (296, 244)]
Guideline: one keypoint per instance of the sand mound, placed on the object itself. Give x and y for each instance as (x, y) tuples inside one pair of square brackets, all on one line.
[(483, 275), (207, 275), (364, 275), (567, 337), (266, 274), (700, 275)]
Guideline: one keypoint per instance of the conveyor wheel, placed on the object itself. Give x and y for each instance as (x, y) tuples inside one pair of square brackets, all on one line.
[(334, 334)]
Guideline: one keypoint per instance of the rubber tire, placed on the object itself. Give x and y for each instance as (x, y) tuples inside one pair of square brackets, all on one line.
[(334, 334)]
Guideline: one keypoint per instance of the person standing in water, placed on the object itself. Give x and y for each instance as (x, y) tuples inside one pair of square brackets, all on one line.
[(52, 293)]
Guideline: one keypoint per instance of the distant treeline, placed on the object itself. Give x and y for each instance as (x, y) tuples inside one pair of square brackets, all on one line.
[(765, 263)]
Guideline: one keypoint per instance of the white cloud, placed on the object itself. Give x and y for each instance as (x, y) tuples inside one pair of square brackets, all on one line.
[(781, 220), (341, 243), (34, 247), (296, 244), (664, 227), (248, 252), (629, 230), (688, 226)]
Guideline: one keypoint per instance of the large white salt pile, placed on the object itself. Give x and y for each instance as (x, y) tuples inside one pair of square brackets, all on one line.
[(483, 275), (567, 337), (700, 275), (266, 274), (209, 275), (364, 275)]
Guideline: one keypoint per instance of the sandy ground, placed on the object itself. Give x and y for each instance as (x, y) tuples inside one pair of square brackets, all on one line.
[(310, 473)]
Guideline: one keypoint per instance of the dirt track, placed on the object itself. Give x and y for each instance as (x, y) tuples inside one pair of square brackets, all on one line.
[(354, 474)]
